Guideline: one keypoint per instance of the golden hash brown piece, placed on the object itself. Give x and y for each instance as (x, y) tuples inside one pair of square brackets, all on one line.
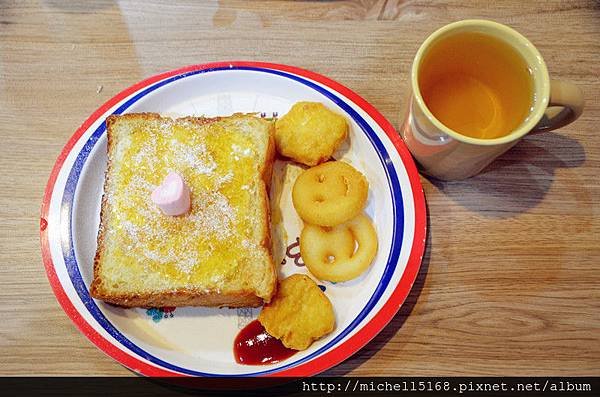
[(309, 133), (299, 313)]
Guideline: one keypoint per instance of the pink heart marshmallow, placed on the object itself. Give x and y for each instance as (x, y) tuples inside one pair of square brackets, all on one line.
[(172, 196)]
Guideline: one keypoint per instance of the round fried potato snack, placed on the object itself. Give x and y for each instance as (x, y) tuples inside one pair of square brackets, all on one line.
[(340, 253), (299, 313), (309, 133), (330, 193)]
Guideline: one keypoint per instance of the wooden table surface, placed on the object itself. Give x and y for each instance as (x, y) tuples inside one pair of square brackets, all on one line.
[(510, 281)]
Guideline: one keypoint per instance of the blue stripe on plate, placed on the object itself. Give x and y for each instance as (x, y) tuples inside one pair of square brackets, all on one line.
[(90, 304)]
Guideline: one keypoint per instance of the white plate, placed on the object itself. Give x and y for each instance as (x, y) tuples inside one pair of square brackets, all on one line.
[(199, 341)]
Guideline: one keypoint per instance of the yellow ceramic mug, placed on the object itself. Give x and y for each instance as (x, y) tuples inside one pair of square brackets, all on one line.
[(449, 155)]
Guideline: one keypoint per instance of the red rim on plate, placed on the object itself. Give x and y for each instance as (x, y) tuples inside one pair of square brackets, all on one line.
[(327, 359)]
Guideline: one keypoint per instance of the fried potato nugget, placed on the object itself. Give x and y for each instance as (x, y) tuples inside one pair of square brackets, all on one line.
[(340, 253), (330, 193), (299, 313), (309, 133)]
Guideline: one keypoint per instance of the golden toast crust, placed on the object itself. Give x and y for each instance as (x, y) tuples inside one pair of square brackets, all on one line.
[(185, 296)]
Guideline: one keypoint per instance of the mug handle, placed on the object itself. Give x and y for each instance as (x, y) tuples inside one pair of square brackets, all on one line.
[(565, 106)]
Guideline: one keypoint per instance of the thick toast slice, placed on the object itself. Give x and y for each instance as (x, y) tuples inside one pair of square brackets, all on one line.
[(216, 255)]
